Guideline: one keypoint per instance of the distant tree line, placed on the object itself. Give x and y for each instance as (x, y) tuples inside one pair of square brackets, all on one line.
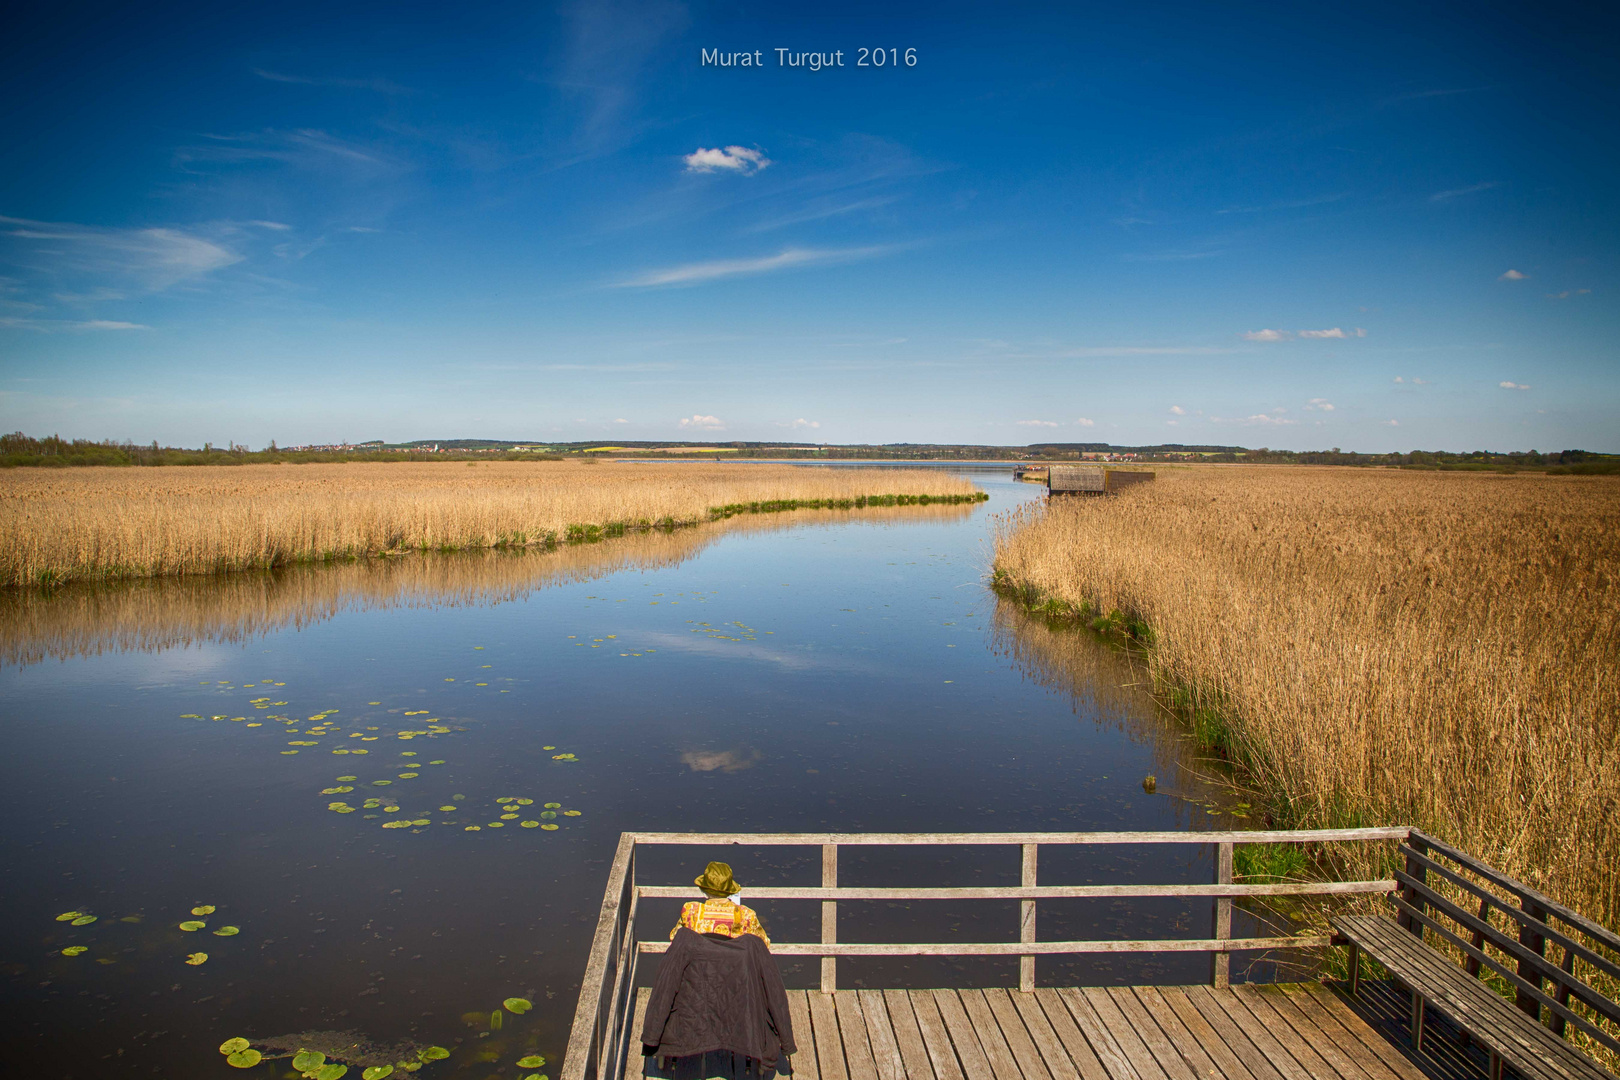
[(18, 449)]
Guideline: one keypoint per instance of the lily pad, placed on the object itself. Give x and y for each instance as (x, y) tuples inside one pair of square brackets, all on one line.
[(529, 824), (447, 809), (331, 1071), (203, 909), (83, 920), (553, 806), (550, 826), (231, 1046), (421, 821), (69, 916), (244, 1059), (228, 931), (548, 815), (192, 924), (509, 817), (519, 1006), (473, 828), (407, 776), (439, 762), (524, 802), (308, 1060), (196, 958), (347, 779), (377, 1072), (572, 813), (496, 1019), (75, 950), (497, 824), (433, 1053), (533, 1061), (381, 783), (341, 789)]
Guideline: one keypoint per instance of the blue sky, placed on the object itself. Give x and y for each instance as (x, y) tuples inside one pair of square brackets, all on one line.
[(1373, 226)]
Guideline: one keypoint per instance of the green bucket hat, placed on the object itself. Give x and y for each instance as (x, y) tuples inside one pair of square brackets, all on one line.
[(717, 880)]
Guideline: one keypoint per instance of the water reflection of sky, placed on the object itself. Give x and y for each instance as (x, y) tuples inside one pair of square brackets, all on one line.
[(840, 672)]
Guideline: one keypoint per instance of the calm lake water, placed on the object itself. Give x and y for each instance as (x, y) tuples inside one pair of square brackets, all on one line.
[(170, 745)]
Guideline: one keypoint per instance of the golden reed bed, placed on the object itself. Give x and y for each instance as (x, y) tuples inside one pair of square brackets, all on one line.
[(1435, 649), (59, 525), (154, 614)]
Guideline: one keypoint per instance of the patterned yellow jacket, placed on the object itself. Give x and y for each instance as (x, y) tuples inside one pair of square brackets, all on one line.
[(719, 916)]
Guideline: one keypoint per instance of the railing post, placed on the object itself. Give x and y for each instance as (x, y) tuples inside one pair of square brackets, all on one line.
[(829, 917), (1528, 972), (1220, 966), (1562, 994), (1026, 922), (1419, 873)]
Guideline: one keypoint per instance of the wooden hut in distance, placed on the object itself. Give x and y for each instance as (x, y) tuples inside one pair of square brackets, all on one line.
[(1092, 480)]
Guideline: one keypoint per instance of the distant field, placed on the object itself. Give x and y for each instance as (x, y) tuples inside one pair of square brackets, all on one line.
[(105, 523), (1435, 649)]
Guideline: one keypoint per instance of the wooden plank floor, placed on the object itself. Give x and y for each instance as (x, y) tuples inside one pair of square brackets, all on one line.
[(1298, 1032)]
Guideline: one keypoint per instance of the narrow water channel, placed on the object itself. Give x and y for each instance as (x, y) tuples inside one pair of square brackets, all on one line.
[(181, 745)]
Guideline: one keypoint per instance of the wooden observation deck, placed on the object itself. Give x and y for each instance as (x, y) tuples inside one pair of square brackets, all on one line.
[(1210, 1031)]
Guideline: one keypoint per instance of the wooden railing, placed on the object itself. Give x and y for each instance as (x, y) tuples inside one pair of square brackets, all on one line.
[(600, 1040), (1439, 887)]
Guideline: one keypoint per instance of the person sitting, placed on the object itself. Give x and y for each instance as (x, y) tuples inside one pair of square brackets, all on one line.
[(721, 913), (717, 1006)]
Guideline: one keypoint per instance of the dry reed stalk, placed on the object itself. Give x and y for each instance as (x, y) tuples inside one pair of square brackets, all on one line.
[(104, 523), (1432, 649), (154, 614)]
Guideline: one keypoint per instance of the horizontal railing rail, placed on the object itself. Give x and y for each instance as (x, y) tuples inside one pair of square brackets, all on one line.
[(601, 1041)]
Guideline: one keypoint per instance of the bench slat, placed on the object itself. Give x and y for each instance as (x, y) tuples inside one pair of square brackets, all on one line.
[(1522, 1042), (1577, 989)]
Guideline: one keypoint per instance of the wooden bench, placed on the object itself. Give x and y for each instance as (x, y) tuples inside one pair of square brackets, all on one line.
[(1511, 1031)]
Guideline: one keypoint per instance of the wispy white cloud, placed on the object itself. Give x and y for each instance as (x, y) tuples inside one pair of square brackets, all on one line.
[(1086, 421), (1292, 204), (1513, 385), (1178, 410), (1335, 332), (697, 273), (1256, 420), (154, 258), (49, 325), (275, 225), (1567, 293), (1443, 196), (1266, 335), (1392, 423), (820, 212), (1317, 404), (1036, 423), (381, 86), (736, 159), (801, 422), (1513, 275), (620, 420), (702, 423)]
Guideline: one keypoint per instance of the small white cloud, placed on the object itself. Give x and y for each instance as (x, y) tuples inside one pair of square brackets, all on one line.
[(111, 324), (1392, 423), (1086, 421), (1360, 332), (1567, 293), (1172, 423), (1266, 335), (1257, 420), (698, 273), (701, 422), (1513, 275), (1443, 196), (737, 159), (1420, 382), (620, 420), (1317, 404), (276, 225), (1178, 410), (1333, 333), (1399, 379), (1036, 423), (801, 422), (1513, 386)]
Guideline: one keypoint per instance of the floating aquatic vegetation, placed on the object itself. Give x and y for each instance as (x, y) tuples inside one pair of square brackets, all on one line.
[(530, 824), (524, 802), (306, 1061), (131, 918), (83, 920), (340, 807), (572, 813), (563, 757), (346, 779), (533, 1061), (341, 789), (496, 1019), (232, 1046), (497, 824), (519, 1006), (377, 1072), (473, 828), (197, 958), (396, 824), (549, 826), (448, 809), (75, 950), (421, 821), (203, 909), (228, 931), (439, 762), (69, 916), (192, 924), (553, 805), (547, 815), (289, 751), (508, 817), (408, 775), (244, 1059)]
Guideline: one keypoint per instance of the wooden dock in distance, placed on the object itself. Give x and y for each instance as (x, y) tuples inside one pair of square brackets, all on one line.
[(1301, 1032)]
